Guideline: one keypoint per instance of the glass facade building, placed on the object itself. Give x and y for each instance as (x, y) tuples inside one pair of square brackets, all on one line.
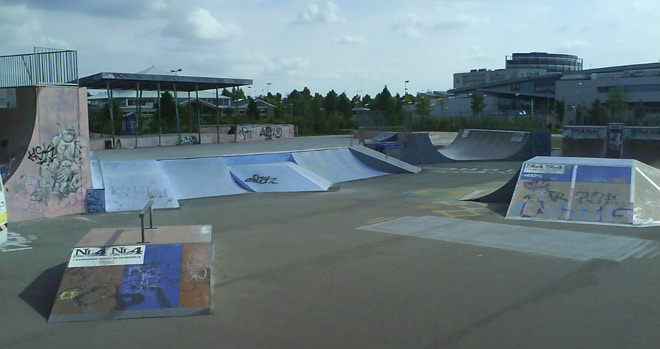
[(552, 62)]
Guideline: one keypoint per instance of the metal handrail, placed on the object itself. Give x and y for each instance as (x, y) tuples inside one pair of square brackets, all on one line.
[(147, 207)]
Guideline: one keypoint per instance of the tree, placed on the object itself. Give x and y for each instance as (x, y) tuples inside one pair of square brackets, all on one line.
[(616, 103), (477, 103), (330, 102), (597, 113), (560, 110), (639, 110), (423, 110), (100, 120), (252, 110)]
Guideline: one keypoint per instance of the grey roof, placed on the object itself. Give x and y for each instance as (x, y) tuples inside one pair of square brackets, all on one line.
[(152, 82)]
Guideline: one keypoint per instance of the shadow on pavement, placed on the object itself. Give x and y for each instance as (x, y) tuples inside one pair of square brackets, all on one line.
[(41, 293)]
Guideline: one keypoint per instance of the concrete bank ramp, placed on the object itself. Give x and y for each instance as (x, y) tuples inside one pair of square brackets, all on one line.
[(477, 145), (129, 184), (589, 190), (335, 165), (200, 178)]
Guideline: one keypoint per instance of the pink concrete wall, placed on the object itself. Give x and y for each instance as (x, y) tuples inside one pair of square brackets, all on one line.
[(54, 172)]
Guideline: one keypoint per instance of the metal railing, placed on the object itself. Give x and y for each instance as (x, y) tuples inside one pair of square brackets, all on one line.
[(147, 208), (44, 67)]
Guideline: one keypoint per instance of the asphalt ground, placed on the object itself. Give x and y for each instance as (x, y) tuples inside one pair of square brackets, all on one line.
[(293, 270)]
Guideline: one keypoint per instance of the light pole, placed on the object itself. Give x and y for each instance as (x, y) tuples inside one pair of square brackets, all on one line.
[(405, 102), (176, 108), (267, 88)]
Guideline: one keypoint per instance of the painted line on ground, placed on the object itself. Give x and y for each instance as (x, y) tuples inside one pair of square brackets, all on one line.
[(550, 242)]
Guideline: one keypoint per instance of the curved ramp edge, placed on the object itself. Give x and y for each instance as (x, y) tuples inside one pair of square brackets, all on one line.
[(502, 194), (382, 162)]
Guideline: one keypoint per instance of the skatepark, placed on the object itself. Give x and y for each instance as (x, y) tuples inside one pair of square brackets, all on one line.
[(389, 261), (484, 240)]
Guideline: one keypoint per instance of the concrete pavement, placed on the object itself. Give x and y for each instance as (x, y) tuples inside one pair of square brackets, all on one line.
[(293, 270)]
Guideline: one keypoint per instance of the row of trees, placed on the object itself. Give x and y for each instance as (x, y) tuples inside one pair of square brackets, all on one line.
[(315, 114)]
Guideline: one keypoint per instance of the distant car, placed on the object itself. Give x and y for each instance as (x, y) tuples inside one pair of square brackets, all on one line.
[(522, 113)]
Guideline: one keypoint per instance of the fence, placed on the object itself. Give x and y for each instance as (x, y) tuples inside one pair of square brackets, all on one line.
[(44, 67)]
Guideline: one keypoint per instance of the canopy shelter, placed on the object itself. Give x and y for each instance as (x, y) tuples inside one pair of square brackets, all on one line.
[(155, 82)]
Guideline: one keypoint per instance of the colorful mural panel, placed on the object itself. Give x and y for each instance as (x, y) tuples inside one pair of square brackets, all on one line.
[(172, 280)]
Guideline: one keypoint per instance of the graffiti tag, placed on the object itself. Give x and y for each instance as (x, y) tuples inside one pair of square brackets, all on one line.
[(258, 179), (16, 242), (43, 155), (269, 132), (187, 140)]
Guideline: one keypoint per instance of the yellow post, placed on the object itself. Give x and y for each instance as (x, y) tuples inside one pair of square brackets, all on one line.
[(3, 214)]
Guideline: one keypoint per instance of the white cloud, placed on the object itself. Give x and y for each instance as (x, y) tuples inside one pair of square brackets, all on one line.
[(350, 40), (325, 13), (259, 63), (200, 24)]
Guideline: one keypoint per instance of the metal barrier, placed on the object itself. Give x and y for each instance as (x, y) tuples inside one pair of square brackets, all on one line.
[(44, 67), (147, 207)]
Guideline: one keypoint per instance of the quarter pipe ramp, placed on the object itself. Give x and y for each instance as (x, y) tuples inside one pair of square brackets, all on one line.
[(476, 145)]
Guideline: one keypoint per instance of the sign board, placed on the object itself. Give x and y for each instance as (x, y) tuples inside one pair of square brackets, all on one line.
[(106, 256)]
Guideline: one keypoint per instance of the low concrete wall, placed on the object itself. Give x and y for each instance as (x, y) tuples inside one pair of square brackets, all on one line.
[(209, 134)]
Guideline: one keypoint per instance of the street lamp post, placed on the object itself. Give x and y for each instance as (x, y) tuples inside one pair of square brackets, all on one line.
[(176, 107)]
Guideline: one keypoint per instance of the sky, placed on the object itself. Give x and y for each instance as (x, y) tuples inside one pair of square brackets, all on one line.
[(355, 47)]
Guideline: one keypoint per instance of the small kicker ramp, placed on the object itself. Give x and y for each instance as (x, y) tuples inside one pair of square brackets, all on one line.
[(477, 145), (277, 177), (111, 276), (572, 189)]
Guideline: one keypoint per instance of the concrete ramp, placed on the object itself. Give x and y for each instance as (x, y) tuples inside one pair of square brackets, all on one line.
[(571, 189), (382, 162), (277, 177), (384, 137), (335, 165), (200, 178), (500, 194), (130, 184), (127, 185), (95, 169), (477, 145)]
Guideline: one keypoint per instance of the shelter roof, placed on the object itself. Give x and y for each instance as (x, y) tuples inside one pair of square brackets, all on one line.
[(152, 82)]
